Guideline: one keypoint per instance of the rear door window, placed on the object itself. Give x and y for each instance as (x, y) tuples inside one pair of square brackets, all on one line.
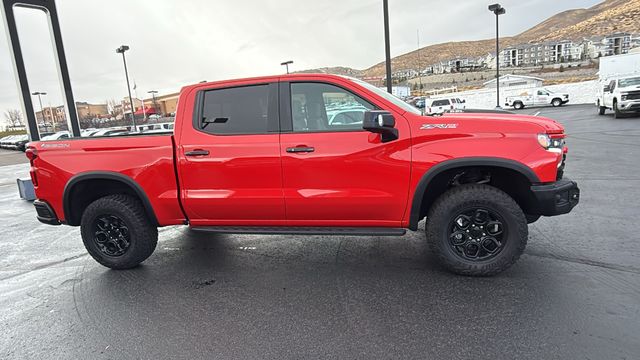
[(238, 110)]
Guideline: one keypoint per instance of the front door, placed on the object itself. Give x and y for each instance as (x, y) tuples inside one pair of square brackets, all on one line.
[(229, 159), (334, 172)]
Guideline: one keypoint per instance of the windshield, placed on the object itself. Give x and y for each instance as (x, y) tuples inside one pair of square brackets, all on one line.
[(629, 82), (396, 101)]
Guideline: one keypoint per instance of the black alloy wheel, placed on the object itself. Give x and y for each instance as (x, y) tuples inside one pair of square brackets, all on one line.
[(111, 235), (477, 234)]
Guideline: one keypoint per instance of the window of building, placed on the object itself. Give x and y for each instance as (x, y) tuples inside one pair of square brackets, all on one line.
[(324, 107), (240, 110)]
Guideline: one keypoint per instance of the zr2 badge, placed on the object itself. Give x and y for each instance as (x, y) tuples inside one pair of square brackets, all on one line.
[(438, 126)]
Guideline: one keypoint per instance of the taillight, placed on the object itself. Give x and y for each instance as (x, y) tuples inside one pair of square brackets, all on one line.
[(32, 154)]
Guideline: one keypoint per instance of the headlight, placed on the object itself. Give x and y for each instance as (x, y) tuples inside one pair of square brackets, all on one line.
[(623, 97), (555, 144), (544, 140)]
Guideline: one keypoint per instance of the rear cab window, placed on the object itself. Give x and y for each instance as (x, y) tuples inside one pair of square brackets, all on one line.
[(241, 110)]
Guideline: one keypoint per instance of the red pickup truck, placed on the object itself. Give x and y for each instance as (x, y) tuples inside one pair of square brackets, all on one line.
[(310, 154)]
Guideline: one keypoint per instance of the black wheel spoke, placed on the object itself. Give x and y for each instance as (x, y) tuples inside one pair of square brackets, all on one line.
[(477, 234), (111, 235)]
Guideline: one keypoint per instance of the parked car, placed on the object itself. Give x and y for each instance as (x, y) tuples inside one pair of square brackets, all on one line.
[(458, 103), (537, 97), (237, 159), (438, 106), (57, 136), (19, 142), (622, 95), (110, 132)]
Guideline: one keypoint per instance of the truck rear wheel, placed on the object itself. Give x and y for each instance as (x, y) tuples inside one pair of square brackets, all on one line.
[(518, 105), (476, 230), (117, 233), (601, 109)]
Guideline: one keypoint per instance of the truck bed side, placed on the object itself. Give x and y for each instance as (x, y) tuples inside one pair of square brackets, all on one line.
[(82, 168)]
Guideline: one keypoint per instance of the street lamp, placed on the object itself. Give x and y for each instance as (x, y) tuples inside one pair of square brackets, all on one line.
[(498, 10), (287, 63), (153, 96), (121, 50), (39, 94)]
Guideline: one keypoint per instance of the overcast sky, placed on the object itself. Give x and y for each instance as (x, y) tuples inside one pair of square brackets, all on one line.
[(174, 43)]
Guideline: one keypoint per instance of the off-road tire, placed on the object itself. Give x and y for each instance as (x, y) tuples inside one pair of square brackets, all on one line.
[(143, 235), (616, 112), (451, 203)]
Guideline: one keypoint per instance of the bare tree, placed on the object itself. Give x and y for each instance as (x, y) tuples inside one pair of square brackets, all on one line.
[(14, 118)]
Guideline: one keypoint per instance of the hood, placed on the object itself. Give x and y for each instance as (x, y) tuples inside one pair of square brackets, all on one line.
[(481, 122)]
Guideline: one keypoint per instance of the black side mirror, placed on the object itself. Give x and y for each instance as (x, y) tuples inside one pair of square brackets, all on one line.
[(607, 88), (381, 122)]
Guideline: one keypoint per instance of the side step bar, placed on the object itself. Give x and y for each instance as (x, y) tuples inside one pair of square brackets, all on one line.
[(346, 231)]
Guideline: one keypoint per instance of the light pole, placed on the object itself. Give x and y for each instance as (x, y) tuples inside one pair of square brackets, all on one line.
[(498, 10), (39, 94), (387, 44), (121, 50), (286, 64), (153, 96)]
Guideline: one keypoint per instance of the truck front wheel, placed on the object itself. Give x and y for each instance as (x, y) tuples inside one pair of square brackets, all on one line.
[(556, 102), (616, 112), (117, 233), (476, 230)]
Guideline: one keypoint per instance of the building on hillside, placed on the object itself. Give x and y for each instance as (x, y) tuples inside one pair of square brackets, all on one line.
[(537, 54), (514, 80), (613, 44)]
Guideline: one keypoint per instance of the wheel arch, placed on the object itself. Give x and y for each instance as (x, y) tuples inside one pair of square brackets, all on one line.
[(74, 206), (421, 202)]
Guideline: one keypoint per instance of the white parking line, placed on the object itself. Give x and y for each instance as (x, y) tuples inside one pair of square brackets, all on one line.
[(536, 114)]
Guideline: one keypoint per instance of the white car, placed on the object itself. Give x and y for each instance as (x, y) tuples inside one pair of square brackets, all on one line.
[(438, 106), (537, 97), (458, 104), (57, 136), (620, 95), (110, 132)]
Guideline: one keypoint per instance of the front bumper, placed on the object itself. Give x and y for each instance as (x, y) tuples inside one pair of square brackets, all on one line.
[(556, 198), (46, 214), (629, 106)]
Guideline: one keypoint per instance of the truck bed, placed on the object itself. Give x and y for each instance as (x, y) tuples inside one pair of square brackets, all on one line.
[(147, 161)]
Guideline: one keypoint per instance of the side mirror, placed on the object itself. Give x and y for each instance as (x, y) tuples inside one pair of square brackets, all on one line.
[(381, 122), (607, 88)]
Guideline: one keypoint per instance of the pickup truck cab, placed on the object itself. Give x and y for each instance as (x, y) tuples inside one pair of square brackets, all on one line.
[(261, 156), (537, 97), (620, 95)]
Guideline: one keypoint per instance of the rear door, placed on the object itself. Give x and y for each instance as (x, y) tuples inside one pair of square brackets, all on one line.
[(229, 157), (336, 173)]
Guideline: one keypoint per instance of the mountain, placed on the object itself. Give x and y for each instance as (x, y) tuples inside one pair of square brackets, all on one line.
[(337, 70), (607, 17)]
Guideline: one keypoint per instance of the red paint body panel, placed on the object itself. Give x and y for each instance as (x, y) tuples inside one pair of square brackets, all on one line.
[(351, 179), (148, 160)]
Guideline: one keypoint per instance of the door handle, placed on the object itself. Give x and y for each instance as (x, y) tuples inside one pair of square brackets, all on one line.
[(300, 149), (197, 152)]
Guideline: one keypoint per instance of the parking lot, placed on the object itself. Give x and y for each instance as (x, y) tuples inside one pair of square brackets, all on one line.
[(575, 293)]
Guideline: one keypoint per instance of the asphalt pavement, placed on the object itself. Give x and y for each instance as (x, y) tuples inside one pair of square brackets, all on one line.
[(575, 293)]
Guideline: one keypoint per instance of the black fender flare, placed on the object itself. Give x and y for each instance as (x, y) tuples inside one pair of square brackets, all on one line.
[(106, 175), (418, 196)]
